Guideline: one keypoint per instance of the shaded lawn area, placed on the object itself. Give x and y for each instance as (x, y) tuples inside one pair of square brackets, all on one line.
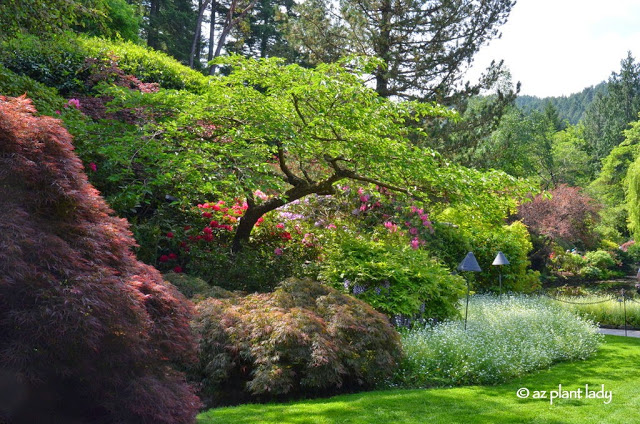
[(616, 365)]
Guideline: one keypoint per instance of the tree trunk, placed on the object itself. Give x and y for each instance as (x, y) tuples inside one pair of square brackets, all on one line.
[(249, 220), (196, 36), (383, 48), (152, 33), (212, 31)]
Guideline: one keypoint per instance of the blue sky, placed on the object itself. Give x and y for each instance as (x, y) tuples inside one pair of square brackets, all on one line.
[(559, 47)]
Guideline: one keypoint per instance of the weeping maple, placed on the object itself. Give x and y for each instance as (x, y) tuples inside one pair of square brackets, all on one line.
[(87, 332)]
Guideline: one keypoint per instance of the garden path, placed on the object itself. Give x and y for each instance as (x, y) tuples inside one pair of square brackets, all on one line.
[(618, 332)]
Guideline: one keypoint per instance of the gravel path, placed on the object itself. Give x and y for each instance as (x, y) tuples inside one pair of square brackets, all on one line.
[(617, 332)]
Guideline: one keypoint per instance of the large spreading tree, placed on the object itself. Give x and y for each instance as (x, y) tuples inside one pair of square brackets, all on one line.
[(291, 132)]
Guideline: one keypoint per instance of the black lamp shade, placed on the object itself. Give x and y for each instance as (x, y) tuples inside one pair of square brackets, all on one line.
[(469, 263)]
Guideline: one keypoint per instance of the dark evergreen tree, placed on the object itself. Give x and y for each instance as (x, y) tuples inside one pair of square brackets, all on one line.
[(169, 26), (610, 113), (424, 45)]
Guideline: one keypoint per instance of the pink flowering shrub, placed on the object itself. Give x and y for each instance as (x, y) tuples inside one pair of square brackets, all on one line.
[(279, 248), (88, 333)]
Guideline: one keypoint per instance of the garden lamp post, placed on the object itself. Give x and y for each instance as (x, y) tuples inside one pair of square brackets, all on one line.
[(499, 261), (469, 263)]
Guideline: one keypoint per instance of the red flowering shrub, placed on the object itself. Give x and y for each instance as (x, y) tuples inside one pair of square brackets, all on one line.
[(303, 339), (278, 248), (87, 333)]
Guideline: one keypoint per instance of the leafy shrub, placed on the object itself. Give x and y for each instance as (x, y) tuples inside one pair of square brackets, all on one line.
[(123, 22), (600, 259), (504, 339), (60, 62), (392, 277), (303, 339), (194, 287), (512, 240), (591, 273), (46, 99), (148, 65), (91, 334), (568, 262), (56, 62)]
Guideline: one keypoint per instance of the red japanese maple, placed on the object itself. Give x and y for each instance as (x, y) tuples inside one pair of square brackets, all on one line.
[(87, 332)]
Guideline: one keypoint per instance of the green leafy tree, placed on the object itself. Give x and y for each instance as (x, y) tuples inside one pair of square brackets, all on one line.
[(570, 157), (611, 113), (609, 188), (120, 20), (290, 132)]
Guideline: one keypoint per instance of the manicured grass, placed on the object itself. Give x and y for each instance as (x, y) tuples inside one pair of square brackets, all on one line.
[(616, 365)]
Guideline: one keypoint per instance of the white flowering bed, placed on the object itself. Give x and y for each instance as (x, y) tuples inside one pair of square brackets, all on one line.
[(504, 339)]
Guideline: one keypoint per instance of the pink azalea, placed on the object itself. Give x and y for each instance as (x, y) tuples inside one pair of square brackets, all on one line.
[(415, 243), (74, 102), (93, 166), (260, 195), (277, 251)]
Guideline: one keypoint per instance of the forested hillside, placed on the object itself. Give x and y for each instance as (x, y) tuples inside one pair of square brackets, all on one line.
[(570, 108)]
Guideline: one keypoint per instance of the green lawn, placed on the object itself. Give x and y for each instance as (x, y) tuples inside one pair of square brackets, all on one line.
[(616, 365)]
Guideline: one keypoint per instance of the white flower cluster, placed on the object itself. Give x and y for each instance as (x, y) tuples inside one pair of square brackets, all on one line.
[(505, 338)]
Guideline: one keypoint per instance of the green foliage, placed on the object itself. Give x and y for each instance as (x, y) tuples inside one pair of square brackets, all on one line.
[(304, 339), (611, 113), (48, 18), (392, 277), (600, 259), (505, 338), (568, 262), (633, 198), (512, 240), (451, 243), (147, 65), (46, 99), (195, 288), (605, 310), (57, 62), (611, 186), (118, 21), (570, 157), (570, 108)]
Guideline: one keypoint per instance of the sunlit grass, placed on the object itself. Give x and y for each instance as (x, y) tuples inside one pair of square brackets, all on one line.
[(615, 365)]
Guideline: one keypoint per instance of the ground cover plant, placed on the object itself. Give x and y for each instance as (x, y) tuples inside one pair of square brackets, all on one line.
[(505, 337), (614, 366)]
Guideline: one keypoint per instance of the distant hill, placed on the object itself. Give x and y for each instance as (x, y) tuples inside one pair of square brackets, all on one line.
[(570, 107)]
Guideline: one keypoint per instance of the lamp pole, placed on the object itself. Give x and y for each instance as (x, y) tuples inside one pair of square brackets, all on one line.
[(500, 260), (469, 263)]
